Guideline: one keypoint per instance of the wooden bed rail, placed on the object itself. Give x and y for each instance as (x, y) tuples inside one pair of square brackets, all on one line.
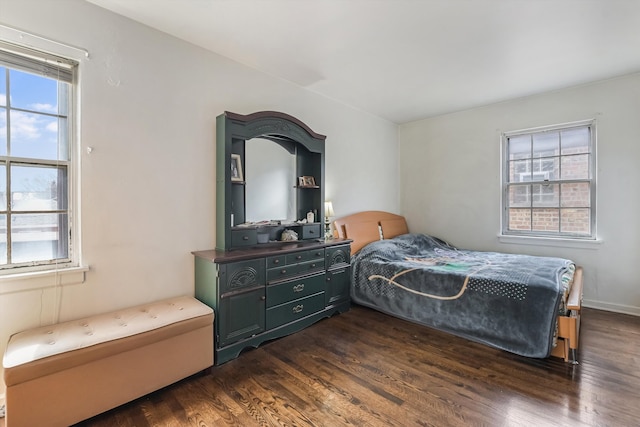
[(569, 326), (574, 301)]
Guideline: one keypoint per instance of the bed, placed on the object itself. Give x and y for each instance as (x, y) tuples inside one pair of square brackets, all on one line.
[(527, 305)]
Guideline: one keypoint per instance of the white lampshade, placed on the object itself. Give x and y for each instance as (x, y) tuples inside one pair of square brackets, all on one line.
[(328, 209)]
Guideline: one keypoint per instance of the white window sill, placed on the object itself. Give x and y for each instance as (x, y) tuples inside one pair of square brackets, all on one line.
[(20, 282), (550, 241)]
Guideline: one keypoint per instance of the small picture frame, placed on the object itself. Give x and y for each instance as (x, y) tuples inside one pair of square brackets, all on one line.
[(306, 181), (236, 168)]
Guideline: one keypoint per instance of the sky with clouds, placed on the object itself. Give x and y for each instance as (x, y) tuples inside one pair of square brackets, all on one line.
[(32, 133)]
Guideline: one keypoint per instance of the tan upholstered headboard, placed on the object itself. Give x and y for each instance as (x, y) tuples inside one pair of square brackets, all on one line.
[(368, 226)]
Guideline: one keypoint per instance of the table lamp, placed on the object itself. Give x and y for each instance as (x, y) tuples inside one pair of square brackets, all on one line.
[(328, 212)]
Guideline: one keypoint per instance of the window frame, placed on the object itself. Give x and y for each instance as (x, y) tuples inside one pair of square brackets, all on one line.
[(64, 70), (505, 232)]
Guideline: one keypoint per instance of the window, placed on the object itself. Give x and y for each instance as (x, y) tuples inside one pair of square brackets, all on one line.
[(548, 182), (36, 106)]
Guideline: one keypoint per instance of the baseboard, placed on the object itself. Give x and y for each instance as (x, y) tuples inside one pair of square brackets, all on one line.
[(617, 308)]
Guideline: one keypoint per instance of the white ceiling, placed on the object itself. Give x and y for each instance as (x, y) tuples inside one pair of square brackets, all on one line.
[(404, 60)]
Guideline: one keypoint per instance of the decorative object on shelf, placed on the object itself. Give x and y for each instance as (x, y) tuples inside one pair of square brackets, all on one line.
[(289, 236), (263, 237), (306, 181), (328, 212), (236, 168), (310, 217)]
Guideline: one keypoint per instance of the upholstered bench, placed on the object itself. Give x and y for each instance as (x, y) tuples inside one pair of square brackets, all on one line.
[(61, 374)]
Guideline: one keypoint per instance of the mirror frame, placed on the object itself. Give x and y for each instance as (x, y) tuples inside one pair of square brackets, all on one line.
[(232, 132)]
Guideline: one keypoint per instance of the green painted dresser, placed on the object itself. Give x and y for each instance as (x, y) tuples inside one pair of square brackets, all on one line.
[(264, 293)]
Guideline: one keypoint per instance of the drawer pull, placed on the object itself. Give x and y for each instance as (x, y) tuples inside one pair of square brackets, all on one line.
[(312, 232), (276, 261), (313, 265), (298, 308), (298, 288), (245, 237), (299, 257), (283, 271)]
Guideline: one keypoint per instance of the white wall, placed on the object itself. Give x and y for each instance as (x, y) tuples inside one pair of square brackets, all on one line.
[(149, 103), (450, 180)]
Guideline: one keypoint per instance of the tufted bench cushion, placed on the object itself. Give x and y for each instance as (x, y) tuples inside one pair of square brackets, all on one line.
[(42, 351), (107, 360)]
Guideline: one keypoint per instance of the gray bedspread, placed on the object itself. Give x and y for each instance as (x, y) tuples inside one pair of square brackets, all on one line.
[(507, 301)]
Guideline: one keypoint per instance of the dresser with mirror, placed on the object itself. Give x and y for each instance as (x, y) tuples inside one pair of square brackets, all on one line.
[(272, 271)]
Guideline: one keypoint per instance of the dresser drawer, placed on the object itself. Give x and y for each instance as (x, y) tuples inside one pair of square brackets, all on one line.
[(311, 266), (276, 261), (281, 273), (298, 257), (316, 254), (303, 256), (294, 310), (244, 237), (311, 231), (294, 289)]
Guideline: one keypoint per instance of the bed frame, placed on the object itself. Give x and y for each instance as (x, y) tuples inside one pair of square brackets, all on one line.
[(368, 226)]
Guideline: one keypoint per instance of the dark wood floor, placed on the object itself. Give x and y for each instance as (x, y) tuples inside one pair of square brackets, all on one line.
[(364, 368)]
